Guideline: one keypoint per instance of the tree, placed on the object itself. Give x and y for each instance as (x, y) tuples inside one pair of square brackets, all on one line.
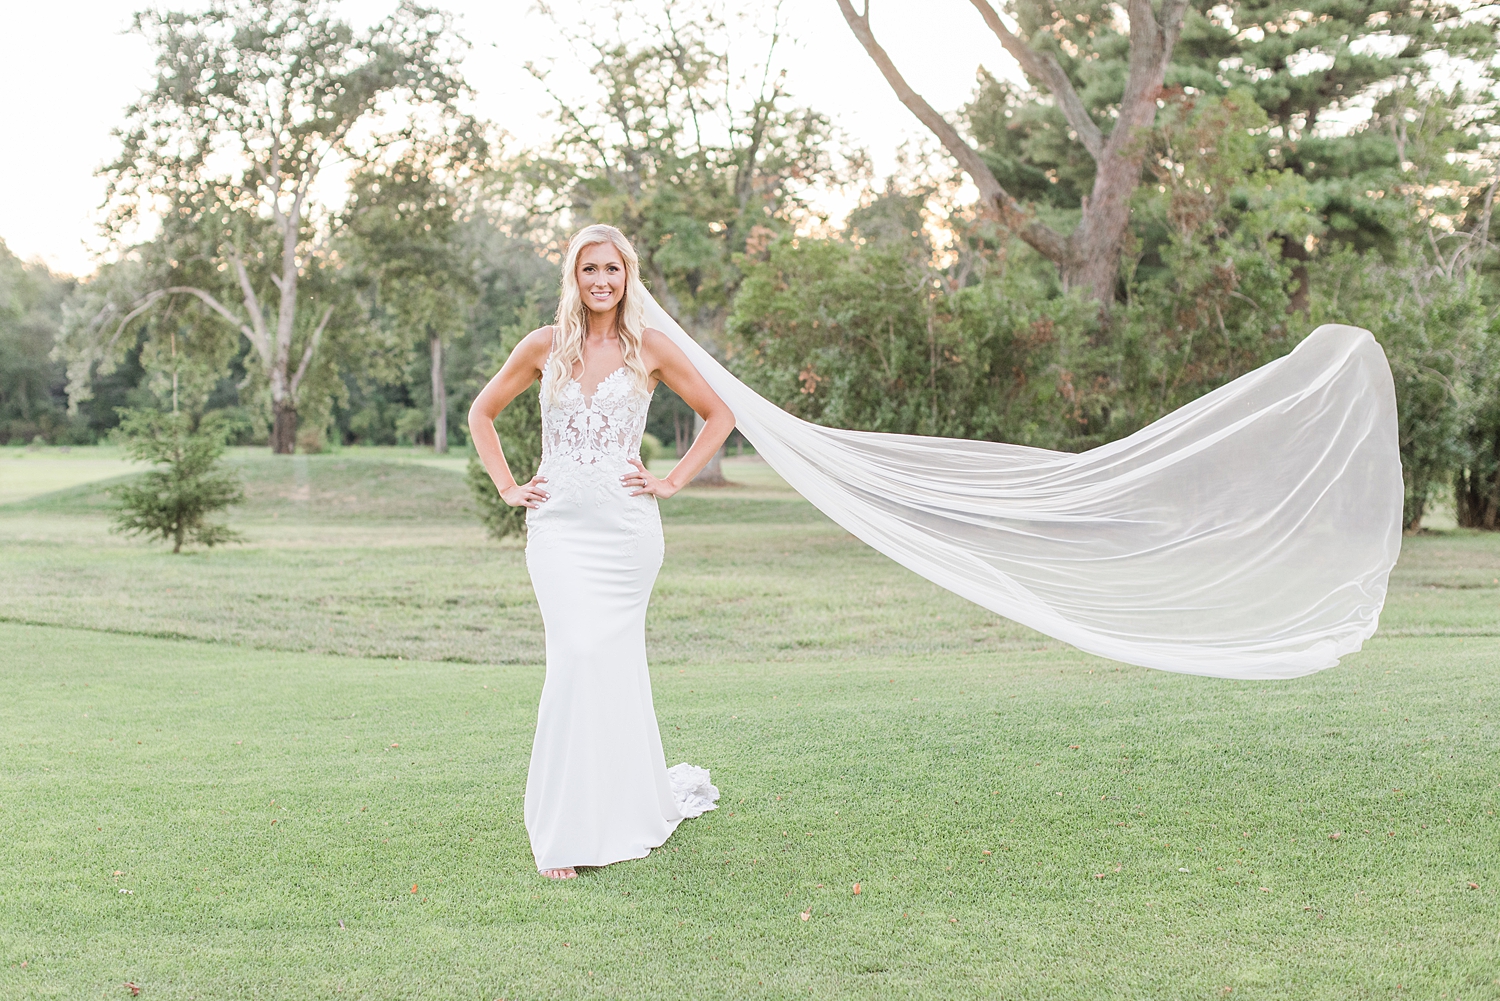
[(1048, 172), (693, 178), (31, 299), (254, 101), (1087, 257), (406, 223), (174, 501)]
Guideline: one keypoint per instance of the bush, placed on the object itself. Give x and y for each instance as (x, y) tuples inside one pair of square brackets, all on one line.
[(520, 429), (651, 448), (173, 501), (1432, 329)]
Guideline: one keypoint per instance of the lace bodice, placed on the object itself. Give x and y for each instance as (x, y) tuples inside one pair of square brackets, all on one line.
[(608, 425)]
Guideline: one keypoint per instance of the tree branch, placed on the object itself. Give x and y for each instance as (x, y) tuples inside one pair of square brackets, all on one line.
[(307, 355), (1151, 44), (260, 340), (1043, 67), (152, 298), (1046, 240)]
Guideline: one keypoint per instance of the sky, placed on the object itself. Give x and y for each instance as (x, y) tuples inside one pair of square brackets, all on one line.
[(72, 68)]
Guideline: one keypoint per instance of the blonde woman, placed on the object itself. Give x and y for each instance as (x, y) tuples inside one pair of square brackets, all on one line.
[(598, 790)]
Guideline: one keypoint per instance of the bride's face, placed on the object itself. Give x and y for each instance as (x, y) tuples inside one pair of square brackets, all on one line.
[(601, 277)]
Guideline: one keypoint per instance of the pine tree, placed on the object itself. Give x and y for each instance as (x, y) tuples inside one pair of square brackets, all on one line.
[(173, 501)]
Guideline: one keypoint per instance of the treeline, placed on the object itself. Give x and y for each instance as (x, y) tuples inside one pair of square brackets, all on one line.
[(1288, 166)]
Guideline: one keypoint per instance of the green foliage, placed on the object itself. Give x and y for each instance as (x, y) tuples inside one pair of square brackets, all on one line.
[(691, 176), (651, 448), (173, 502), (253, 100), (1432, 326), (520, 428), (409, 218), (1209, 292), (31, 299), (1301, 63), (871, 338), (1477, 480), (869, 332)]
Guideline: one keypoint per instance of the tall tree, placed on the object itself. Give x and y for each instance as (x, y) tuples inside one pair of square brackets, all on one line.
[(1057, 161), (407, 214), (1088, 256), (692, 174), (254, 101)]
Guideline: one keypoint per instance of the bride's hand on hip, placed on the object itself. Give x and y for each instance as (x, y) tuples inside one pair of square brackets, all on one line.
[(528, 494), (640, 481)]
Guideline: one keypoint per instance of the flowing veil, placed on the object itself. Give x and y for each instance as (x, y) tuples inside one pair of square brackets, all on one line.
[(1249, 534)]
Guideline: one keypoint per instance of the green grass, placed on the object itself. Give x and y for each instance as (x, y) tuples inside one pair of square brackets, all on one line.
[(863, 727)]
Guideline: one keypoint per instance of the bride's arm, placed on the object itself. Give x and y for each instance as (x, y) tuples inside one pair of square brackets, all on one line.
[(520, 370), (667, 362)]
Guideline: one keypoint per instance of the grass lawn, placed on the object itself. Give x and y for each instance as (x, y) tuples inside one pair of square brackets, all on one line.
[(294, 768)]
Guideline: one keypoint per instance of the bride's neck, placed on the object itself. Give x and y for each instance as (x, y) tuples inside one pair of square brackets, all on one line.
[(602, 326)]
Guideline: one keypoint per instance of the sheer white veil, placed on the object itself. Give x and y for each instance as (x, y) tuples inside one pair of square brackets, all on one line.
[(1249, 534)]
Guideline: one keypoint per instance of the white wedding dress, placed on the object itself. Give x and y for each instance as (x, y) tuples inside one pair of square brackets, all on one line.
[(598, 790)]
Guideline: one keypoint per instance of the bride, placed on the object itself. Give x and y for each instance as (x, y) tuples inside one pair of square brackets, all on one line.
[(598, 790)]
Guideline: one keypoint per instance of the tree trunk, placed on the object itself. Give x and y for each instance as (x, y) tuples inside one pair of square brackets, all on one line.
[(1094, 245), (1478, 501), (712, 475), (439, 399), (1295, 252), (681, 440), (283, 427)]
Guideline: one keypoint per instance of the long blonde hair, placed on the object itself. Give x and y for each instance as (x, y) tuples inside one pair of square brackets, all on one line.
[(572, 314)]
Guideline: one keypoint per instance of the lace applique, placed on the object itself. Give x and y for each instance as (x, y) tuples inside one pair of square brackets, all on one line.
[(586, 446), (607, 426)]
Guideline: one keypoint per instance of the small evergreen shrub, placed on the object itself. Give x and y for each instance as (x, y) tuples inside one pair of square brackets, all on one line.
[(520, 429), (173, 501)]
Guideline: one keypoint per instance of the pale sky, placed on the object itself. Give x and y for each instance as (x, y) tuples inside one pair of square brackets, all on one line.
[(70, 70)]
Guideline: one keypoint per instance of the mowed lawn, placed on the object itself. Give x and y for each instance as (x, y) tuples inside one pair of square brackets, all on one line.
[(294, 769)]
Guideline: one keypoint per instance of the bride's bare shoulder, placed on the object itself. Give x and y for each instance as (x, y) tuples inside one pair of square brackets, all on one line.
[(657, 344), (535, 346)]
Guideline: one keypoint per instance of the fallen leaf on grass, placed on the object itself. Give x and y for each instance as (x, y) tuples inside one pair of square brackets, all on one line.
[(805, 915), (1473, 886), (414, 888), (132, 988), (988, 852), (856, 885), (1265, 889), (1335, 835)]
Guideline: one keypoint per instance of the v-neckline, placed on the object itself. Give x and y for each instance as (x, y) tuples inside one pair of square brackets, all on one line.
[(588, 398)]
